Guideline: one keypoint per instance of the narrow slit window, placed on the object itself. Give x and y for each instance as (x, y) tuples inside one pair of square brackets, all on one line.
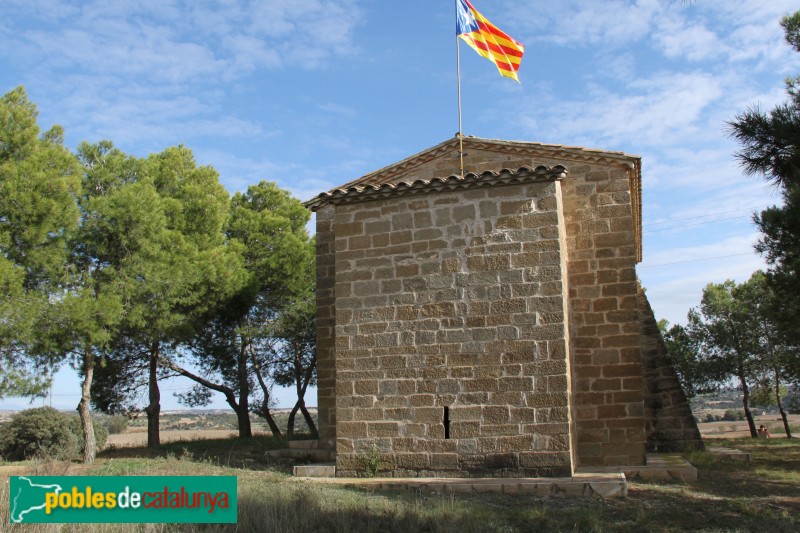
[(446, 422)]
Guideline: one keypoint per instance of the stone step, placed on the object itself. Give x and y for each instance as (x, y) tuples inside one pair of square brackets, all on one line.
[(316, 470), (304, 444), (314, 455), (660, 466), (720, 452), (603, 485)]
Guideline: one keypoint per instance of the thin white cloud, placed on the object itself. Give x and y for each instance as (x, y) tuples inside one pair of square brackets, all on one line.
[(238, 173), (724, 247), (160, 44), (157, 70), (661, 110), (697, 166), (338, 109), (580, 22), (303, 182), (693, 41), (675, 277), (250, 52), (735, 30)]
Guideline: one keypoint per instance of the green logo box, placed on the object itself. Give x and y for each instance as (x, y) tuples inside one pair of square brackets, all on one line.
[(122, 499)]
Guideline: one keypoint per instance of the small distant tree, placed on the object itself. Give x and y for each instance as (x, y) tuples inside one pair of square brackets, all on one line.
[(682, 342), (726, 331), (775, 351), (793, 399), (735, 334)]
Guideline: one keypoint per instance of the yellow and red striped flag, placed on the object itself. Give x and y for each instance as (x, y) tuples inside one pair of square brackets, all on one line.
[(489, 41)]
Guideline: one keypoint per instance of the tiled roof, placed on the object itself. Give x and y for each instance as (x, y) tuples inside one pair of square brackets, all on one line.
[(525, 148), (451, 183)]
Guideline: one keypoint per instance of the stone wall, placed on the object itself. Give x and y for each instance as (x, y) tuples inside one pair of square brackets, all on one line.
[(326, 327), (451, 354), (670, 424), (607, 379), (607, 375), (423, 302)]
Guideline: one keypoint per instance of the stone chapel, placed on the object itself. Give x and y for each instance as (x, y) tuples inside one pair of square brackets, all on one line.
[(491, 323)]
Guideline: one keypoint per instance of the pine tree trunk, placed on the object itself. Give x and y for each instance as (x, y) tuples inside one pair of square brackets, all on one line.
[(786, 427), (264, 411), (154, 409), (84, 408), (309, 421), (303, 379), (243, 412), (746, 402), (273, 426), (780, 404), (290, 423), (243, 417)]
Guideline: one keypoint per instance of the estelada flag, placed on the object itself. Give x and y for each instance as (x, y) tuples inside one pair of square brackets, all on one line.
[(489, 41)]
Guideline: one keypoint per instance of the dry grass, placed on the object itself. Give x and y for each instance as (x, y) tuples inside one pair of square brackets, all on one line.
[(729, 496), (138, 436)]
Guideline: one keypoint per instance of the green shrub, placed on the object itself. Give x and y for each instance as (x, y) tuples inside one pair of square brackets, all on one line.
[(44, 431), (100, 431), (733, 415), (116, 424)]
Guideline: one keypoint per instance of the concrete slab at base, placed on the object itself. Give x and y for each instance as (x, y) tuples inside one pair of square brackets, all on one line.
[(660, 466), (598, 485), (304, 444), (317, 470), (314, 455), (720, 452)]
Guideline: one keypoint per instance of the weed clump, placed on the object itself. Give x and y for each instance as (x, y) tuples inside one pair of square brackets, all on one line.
[(372, 461)]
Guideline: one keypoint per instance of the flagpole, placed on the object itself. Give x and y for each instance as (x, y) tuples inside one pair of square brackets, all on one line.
[(458, 72)]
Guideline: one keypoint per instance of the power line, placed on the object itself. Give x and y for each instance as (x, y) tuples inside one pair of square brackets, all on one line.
[(161, 389), (696, 224), (696, 260), (678, 219)]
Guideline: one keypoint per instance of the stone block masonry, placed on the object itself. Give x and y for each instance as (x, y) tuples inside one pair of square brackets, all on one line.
[(489, 324), (450, 334), (670, 424), (326, 322)]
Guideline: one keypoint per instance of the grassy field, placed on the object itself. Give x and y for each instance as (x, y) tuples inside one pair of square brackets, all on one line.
[(739, 428), (729, 496), (189, 426)]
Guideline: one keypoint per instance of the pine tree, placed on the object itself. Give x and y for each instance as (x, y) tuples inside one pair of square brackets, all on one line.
[(233, 347), (39, 180), (770, 147)]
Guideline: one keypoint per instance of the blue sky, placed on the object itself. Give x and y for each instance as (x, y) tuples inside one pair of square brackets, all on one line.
[(313, 93)]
